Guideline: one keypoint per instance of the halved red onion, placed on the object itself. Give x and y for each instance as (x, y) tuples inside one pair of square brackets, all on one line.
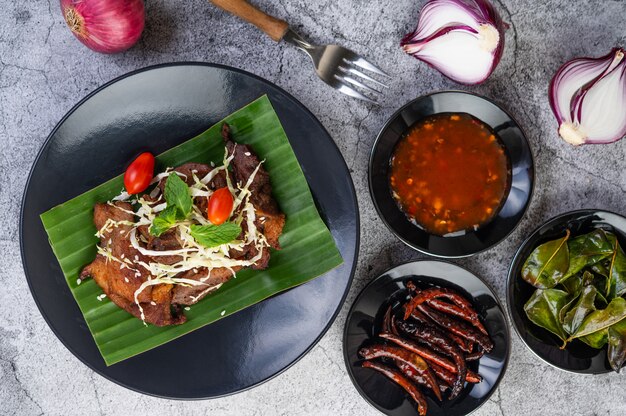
[(588, 98), (463, 39)]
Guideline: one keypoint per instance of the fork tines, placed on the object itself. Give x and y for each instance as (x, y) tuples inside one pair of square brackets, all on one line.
[(350, 77)]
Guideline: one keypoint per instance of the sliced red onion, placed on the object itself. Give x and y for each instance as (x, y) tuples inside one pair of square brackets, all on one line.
[(588, 98), (463, 39)]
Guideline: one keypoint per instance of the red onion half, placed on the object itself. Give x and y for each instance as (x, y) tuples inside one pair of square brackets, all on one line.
[(588, 98), (463, 39), (106, 26)]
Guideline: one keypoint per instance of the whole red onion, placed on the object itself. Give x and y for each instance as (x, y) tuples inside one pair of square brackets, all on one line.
[(106, 26)]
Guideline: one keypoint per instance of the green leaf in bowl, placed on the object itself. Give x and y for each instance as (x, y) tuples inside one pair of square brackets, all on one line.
[(543, 309), (587, 250), (617, 270), (547, 264), (597, 339), (617, 345), (602, 318), (576, 314)]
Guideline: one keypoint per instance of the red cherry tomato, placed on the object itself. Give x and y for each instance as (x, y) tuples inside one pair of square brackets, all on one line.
[(220, 206), (139, 173)]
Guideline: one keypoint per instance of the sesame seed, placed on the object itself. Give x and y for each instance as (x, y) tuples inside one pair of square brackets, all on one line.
[(212, 164), (223, 312), (126, 279), (247, 153), (78, 282), (153, 303), (136, 258), (122, 256), (187, 308)]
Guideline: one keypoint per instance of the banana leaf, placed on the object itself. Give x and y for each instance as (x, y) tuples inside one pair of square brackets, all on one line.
[(308, 248)]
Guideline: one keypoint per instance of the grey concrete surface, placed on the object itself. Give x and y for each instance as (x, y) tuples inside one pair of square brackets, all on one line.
[(44, 71)]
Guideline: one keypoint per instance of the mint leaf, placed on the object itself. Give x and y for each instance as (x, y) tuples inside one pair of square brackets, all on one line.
[(177, 195), (164, 221), (215, 235)]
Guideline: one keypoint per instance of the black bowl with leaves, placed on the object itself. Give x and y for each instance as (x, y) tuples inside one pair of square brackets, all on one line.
[(577, 356)]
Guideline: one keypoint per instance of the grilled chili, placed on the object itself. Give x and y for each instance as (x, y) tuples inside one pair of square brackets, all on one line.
[(456, 327), (454, 310), (403, 382), (437, 292), (406, 356), (448, 377), (438, 340), (461, 342), (411, 374), (425, 353), (473, 356)]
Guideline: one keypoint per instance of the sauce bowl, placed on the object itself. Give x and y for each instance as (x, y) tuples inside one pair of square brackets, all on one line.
[(468, 242)]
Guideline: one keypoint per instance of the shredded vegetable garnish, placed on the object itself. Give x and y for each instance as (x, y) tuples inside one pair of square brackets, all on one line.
[(191, 256)]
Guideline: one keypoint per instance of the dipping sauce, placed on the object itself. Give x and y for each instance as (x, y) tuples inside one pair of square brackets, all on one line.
[(450, 173)]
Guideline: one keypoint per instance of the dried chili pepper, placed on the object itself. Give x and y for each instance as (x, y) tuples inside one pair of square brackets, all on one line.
[(439, 341), (436, 292), (448, 376), (473, 356), (457, 327), (406, 356), (427, 354), (463, 344), (467, 315), (411, 374), (402, 381), (421, 317), (387, 320)]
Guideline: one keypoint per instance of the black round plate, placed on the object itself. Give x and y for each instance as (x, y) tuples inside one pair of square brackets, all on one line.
[(365, 317), (513, 209), (157, 108), (577, 357)]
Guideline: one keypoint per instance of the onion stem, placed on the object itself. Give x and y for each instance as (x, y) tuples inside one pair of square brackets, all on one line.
[(74, 21)]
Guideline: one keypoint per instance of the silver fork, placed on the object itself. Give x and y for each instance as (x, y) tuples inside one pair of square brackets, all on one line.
[(337, 66)]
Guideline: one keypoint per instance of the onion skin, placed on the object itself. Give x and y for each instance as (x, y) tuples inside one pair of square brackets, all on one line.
[(588, 99), (474, 22), (105, 26)]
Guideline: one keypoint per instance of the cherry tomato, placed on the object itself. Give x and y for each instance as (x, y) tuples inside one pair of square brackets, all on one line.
[(220, 206), (139, 173)]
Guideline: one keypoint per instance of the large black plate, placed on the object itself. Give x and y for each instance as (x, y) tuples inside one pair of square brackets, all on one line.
[(577, 357), (365, 318), (522, 174), (157, 108)]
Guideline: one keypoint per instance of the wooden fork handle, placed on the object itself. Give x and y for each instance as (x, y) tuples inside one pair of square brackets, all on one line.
[(273, 27)]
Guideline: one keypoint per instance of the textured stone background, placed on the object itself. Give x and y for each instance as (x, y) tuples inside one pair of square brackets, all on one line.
[(44, 71)]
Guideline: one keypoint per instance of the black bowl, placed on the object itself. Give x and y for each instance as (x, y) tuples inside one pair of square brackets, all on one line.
[(577, 357), (365, 317), (515, 205)]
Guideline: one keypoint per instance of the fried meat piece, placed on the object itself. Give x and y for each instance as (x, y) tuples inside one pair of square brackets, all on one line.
[(161, 303), (120, 281)]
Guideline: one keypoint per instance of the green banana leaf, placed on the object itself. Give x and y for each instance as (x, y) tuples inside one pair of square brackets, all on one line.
[(308, 248)]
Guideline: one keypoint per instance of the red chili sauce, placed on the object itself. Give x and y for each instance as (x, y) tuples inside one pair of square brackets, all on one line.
[(450, 173)]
